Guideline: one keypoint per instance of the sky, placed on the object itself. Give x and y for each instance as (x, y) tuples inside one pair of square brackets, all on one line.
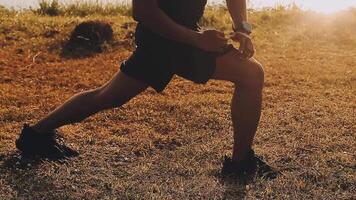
[(326, 6)]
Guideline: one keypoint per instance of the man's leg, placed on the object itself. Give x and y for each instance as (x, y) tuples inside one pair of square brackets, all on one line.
[(119, 90), (248, 77)]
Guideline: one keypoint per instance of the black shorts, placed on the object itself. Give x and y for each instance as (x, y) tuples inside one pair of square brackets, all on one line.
[(156, 65)]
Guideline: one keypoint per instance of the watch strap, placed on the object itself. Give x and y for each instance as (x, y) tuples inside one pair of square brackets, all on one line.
[(241, 28)]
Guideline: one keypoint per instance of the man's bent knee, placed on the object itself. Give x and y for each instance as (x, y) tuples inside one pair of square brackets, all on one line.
[(259, 74), (254, 76)]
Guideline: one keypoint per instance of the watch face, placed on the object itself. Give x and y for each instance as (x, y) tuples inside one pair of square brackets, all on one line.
[(247, 27)]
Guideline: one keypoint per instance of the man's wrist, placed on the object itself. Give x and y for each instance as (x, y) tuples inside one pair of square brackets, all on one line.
[(242, 31), (236, 27), (243, 27)]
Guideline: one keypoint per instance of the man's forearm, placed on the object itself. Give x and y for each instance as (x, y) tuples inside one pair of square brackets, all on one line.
[(238, 11), (157, 21)]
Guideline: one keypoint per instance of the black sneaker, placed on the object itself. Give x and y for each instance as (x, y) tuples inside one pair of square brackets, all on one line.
[(48, 145), (252, 165), (241, 168)]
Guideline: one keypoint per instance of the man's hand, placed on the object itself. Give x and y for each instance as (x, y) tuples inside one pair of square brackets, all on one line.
[(211, 40), (246, 47)]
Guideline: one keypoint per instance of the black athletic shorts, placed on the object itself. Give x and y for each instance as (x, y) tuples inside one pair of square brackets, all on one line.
[(157, 64)]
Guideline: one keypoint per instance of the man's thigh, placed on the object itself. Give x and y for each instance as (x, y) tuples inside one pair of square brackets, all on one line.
[(151, 65), (120, 89), (194, 64)]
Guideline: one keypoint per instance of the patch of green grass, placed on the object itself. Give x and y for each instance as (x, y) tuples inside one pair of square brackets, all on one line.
[(51, 8), (6, 11), (82, 8)]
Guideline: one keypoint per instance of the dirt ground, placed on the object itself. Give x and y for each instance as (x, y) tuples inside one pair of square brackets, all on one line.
[(171, 145)]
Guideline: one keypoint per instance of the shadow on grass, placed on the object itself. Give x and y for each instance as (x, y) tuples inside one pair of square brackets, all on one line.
[(235, 187), (22, 174)]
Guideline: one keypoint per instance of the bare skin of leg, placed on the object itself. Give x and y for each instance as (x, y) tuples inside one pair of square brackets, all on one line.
[(248, 77), (119, 90)]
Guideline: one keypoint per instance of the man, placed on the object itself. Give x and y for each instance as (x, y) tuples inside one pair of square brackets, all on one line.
[(169, 42)]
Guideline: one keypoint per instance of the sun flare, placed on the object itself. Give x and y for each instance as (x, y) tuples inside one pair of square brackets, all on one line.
[(324, 6), (327, 6)]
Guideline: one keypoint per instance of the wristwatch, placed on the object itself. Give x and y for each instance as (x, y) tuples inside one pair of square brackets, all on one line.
[(244, 27)]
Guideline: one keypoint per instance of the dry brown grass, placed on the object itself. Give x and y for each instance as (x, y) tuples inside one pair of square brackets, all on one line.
[(170, 145)]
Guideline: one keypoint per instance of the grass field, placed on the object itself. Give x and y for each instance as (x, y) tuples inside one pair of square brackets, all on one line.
[(170, 145)]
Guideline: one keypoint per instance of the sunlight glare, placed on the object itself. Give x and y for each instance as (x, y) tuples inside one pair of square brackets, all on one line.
[(327, 6), (324, 6)]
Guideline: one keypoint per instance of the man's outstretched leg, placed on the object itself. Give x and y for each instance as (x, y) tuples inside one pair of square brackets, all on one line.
[(119, 90), (39, 139)]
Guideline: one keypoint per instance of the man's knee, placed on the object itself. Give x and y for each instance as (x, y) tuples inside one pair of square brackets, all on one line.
[(255, 76), (260, 74)]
